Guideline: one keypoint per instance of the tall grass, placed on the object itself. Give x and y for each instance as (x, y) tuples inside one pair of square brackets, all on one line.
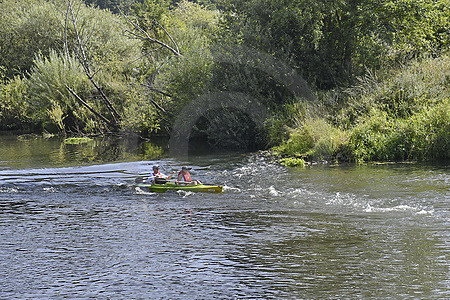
[(401, 93), (14, 110), (402, 115), (315, 139), (423, 136)]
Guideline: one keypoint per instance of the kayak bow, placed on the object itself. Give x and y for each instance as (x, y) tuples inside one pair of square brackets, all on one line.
[(161, 188)]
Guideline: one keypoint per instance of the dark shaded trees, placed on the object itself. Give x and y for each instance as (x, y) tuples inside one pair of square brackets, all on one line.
[(332, 42)]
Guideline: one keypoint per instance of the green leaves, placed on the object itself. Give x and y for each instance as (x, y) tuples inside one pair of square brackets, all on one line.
[(27, 28), (331, 42), (47, 83)]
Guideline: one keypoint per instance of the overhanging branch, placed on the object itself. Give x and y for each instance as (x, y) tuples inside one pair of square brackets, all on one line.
[(84, 103), (146, 37)]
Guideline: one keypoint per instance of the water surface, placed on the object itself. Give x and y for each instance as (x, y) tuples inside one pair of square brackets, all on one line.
[(73, 225)]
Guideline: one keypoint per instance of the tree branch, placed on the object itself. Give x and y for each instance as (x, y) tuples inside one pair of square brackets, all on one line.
[(170, 37), (85, 63), (146, 37), (157, 90), (84, 103)]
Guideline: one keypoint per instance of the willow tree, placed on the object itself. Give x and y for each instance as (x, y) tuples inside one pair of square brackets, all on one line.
[(51, 36)]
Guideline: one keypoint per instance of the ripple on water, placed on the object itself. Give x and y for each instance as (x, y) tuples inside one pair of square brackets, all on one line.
[(309, 233)]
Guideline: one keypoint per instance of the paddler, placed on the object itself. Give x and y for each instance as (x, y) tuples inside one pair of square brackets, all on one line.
[(158, 177), (184, 177)]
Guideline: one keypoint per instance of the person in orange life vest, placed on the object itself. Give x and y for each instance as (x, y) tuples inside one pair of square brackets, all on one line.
[(158, 177), (184, 177)]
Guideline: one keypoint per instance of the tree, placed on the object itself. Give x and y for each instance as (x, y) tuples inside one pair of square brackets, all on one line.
[(331, 42), (113, 5), (108, 61), (27, 28)]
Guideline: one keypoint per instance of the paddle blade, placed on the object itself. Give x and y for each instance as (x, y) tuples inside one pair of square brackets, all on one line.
[(139, 179)]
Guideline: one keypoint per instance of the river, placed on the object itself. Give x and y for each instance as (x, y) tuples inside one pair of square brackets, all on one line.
[(74, 225)]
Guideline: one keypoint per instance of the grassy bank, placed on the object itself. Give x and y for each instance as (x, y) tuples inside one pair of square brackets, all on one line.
[(402, 115)]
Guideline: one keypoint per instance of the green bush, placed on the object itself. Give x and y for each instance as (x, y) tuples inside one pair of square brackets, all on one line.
[(41, 46), (368, 139), (427, 134), (424, 136), (28, 27), (315, 138), (299, 143), (14, 110), (139, 114), (47, 87), (401, 93), (292, 162)]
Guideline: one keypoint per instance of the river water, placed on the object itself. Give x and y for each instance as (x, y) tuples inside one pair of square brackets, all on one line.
[(73, 225)]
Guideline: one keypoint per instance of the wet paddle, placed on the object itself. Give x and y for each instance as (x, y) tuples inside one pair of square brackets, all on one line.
[(140, 179)]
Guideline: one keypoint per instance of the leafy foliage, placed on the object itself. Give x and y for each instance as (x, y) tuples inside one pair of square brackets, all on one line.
[(330, 42), (47, 84), (424, 136), (379, 68), (14, 110), (380, 123), (51, 61), (401, 93), (292, 162), (113, 5), (315, 139), (26, 29)]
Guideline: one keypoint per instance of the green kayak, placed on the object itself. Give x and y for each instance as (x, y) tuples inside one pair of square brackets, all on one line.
[(161, 188)]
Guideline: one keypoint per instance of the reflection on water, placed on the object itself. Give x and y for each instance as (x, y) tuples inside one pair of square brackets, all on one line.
[(74, 229), (38, 151)]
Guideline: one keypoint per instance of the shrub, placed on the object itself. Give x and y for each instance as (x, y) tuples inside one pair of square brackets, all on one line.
[(423, 137), (427, 134), (292, 162), (315, 138), (47, 86), (13, 107), (369, 138), (401, 93)]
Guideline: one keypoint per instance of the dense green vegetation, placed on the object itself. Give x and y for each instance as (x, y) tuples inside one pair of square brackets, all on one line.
[(333, 80)]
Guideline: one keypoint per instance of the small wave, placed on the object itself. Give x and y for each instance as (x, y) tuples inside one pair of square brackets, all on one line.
[(274, 192), (140, 191), (303, 192), (271, 191), (185, 193), (49, 189), (398, 208), (345, 199), (227, 188), (425, 212), (9, 190)]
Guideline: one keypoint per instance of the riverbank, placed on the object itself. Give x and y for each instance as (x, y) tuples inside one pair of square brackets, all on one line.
[(402, 117)]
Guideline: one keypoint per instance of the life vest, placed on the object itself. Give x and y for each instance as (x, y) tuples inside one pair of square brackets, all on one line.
[(186, 177), (156, 174)]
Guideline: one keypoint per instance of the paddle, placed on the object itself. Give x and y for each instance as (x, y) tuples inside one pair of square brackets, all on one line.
[(140, 179)]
